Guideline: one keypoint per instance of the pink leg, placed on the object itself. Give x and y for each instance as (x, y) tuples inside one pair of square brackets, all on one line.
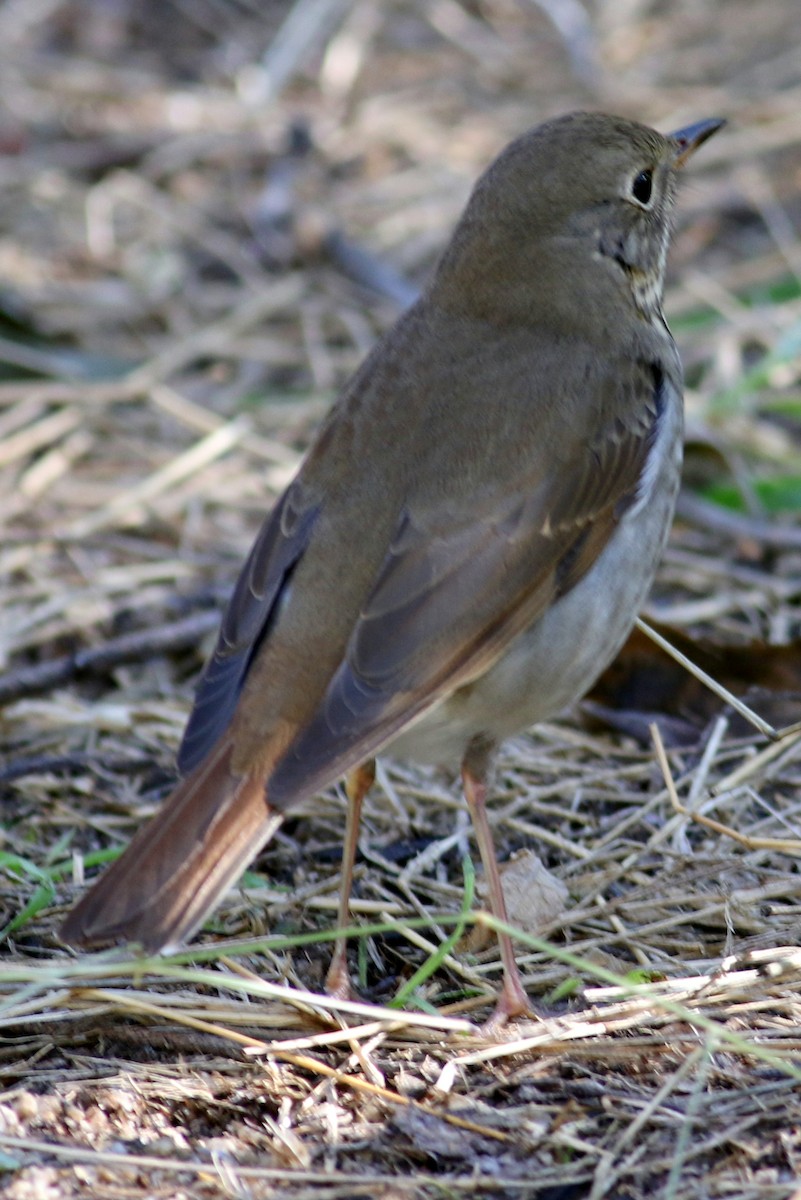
[(357, 785), (512, 1001)]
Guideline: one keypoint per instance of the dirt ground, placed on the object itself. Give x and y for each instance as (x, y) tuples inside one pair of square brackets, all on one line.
[(208, 212)]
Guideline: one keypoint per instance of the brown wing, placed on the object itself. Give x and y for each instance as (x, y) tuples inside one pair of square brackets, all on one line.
[(449, 598), (262, 585)]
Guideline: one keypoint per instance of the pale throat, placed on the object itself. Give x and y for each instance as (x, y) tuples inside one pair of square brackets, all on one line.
[(648, 283)]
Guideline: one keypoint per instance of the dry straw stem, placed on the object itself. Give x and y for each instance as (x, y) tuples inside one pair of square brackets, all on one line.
[(785, 845), (708, 681), (252, 1046)]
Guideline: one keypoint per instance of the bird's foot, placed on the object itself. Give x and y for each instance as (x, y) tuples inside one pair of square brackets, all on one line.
[(512, 1003), (337, 981)]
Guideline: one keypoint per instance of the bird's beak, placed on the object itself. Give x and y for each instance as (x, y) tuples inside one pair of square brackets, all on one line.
[(692, 136)]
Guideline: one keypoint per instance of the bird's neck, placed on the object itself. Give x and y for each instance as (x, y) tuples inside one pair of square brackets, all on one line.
[(554, 284)]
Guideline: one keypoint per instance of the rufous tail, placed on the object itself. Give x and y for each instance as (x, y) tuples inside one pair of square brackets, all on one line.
[(180, 863)]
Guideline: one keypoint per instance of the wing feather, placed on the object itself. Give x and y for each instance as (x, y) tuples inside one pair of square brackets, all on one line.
[(436, 616), (263, 585)]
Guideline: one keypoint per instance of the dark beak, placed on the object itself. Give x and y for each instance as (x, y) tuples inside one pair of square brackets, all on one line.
[(692, 136)]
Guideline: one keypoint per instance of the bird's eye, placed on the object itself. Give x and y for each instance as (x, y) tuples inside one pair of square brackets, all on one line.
[(642, 186)]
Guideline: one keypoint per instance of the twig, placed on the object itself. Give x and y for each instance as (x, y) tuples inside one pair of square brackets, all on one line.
[(365, 268), (728, 697), (783, 845), (98, 660), (724, 520), (64, 764), (308, 24)]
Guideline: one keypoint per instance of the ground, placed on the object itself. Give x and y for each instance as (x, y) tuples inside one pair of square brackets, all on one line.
[(209, 212)]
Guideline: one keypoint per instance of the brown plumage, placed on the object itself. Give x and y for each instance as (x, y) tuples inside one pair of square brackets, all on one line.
[(468, 540)]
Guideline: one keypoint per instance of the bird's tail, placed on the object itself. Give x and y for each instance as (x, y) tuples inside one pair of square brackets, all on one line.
[(179, 865)]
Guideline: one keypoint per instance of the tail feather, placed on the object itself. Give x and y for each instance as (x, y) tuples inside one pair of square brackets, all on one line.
[(180, 863)]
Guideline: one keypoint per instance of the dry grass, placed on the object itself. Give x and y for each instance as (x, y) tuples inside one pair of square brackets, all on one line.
[(175, 315)]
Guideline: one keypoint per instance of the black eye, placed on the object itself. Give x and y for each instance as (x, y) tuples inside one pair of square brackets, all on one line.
[(642, 185)]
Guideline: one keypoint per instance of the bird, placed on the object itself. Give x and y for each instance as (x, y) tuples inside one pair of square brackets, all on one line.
[(465, 546)]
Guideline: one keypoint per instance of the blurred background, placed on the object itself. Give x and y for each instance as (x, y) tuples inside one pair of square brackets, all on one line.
[(209, 210), (294, 168)]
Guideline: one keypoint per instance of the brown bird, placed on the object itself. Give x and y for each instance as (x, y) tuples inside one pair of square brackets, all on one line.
[(467, 543)]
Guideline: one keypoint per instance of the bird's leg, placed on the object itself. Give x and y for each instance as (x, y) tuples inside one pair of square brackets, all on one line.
[(357, 784), (512, 1001)]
